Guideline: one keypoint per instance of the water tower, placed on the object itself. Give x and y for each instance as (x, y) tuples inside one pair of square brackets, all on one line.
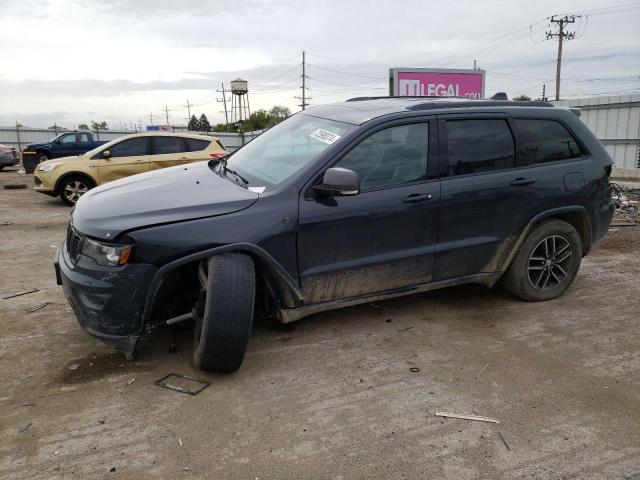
[(239, 100)]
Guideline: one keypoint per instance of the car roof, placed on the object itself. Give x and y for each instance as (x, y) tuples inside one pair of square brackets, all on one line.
[(169, 134), (362, 109)]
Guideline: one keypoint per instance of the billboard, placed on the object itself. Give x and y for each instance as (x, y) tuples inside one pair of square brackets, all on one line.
[(433, 82)]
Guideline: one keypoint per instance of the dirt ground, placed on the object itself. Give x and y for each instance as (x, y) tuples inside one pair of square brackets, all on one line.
[(334, 398)]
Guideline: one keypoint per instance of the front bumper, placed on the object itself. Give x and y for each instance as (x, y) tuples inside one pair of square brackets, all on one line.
[(8, 160), (43, 183), (107, 301)]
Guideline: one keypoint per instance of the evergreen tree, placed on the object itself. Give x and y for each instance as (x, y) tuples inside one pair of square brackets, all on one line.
[(194, 124), (204, 124)]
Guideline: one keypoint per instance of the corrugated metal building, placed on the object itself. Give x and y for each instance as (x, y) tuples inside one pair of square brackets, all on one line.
[(615, 120)]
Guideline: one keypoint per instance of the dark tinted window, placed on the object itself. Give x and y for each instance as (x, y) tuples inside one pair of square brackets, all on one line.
[(544, 141), (129, 148), (168, 145), (477, 146), (392, 156), (196, 145)]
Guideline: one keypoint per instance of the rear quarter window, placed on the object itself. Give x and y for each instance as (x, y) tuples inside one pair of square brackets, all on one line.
[(196, 145), (542, 141)]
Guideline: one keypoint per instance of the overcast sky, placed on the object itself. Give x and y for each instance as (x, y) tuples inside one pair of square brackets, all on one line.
[(73, 61)]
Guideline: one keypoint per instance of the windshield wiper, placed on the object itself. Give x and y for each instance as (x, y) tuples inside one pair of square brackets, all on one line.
[(224, 169), (240, 177)]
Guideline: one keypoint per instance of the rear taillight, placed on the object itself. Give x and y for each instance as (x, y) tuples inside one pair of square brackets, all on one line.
[(218, 155)]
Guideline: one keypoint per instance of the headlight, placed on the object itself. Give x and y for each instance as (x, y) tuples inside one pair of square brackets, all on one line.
[(107, 255), (47, 167)]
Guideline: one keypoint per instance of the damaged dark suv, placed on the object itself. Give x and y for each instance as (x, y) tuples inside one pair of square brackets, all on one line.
[(338, 205)]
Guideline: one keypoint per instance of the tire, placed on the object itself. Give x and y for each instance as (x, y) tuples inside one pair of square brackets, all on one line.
[(224, 314), (42, 157), (73, 187), (553, 247)]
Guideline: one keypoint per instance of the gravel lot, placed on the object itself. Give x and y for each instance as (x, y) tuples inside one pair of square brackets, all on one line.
[(334, 397)]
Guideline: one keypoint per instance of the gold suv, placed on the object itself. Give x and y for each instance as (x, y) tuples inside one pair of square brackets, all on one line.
[(71, 177)]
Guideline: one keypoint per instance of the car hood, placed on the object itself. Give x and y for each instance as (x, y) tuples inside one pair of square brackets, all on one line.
[(60, 160), (163, 196)]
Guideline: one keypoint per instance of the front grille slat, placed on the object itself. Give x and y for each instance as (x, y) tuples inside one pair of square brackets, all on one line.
[(74, 243)]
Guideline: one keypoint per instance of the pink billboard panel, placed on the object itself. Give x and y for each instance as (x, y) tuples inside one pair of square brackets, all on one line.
[(423, 82)]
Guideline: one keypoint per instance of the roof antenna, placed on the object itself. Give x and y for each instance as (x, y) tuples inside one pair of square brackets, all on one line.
[(500, 96)]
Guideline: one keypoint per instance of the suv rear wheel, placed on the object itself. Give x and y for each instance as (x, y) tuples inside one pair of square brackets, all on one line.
[(223, 318), (546, 263)]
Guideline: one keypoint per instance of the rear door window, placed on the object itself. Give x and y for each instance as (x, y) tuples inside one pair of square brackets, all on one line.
[(196, 145), (542, 141), (165, 145), (479, 145)]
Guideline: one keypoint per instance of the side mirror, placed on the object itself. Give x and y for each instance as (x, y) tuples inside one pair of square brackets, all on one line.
[(338, 182), (106, 154)]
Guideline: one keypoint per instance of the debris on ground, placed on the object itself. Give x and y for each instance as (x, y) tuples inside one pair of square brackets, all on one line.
[(180, 441), (182, 383), (414, 369), (131, 381), (74, 366), (483, 369), (25, 427), (627, 202), (4, 224), (21, 293), (39, 307), (476, 418), (504, 441), (15, 186)]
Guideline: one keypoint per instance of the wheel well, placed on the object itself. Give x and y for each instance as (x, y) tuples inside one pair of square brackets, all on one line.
[(73, 174), (179, 289), (580, 222)]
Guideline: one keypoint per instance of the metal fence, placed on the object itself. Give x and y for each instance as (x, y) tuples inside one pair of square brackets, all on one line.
[(19, 137)]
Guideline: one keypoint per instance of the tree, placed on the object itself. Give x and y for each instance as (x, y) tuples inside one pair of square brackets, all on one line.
[(220, 127), (19, 125), (258, 120), (278, 114), (83, 126), (521, 98), (204, 124), (99, 125), (194, 125)]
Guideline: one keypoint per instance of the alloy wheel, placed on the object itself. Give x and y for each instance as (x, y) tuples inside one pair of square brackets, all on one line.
[(74, 190), (550, 262)]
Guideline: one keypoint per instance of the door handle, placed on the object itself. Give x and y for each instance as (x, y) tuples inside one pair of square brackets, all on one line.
[(417, 197), (518, 182)]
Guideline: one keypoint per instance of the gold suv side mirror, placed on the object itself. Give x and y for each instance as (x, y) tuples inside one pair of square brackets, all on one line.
[(106, 154)]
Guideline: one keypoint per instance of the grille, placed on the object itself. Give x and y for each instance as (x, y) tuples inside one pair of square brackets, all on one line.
[(74, 243)]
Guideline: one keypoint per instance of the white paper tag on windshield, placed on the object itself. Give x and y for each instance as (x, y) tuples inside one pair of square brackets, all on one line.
[(257, 189), (324, 136)]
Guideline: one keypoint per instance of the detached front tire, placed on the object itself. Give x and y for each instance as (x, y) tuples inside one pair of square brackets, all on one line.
[(223, 318), (546, 263)]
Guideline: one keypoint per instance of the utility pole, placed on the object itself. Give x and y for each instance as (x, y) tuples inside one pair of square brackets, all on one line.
[(166, 112), (151, 118), (188, 105), (561, 23), (544, 92), (303, 98), (224, 100)]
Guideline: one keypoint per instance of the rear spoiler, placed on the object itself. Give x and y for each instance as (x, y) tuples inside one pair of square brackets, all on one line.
[(576, 111)]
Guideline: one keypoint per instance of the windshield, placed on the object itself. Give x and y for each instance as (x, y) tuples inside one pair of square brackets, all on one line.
[(280, 152)]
